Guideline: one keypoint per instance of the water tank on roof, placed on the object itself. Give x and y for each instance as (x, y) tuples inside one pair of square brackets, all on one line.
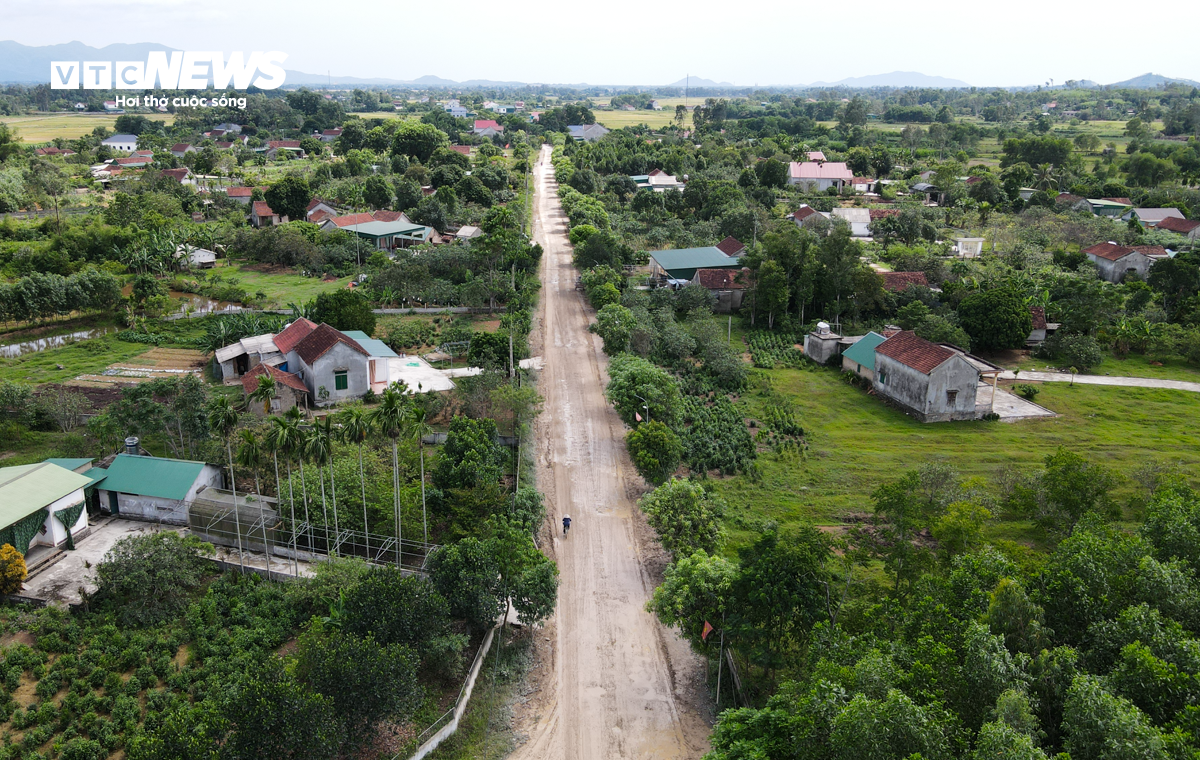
[(822, 328), (131, 445)]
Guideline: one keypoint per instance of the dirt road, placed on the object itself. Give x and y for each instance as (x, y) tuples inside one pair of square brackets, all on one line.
[(616, 682)]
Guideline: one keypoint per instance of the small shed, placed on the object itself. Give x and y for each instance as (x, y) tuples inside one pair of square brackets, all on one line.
[(41, 504), (154, 488), (968, 247), (860, 358), (728, 285), (289, 389), (378, 357), (237, 359)]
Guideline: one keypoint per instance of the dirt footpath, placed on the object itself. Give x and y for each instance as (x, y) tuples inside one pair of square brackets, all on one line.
[(612, 682)]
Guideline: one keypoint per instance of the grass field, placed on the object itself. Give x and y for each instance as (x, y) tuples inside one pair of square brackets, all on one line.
[(856, 442), (282, 287), (39, 128), (620, 119)]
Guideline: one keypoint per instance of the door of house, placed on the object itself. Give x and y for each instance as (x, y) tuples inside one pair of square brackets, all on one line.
[(113, 507)]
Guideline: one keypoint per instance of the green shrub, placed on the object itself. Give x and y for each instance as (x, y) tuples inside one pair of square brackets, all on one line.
[(1028, 392)]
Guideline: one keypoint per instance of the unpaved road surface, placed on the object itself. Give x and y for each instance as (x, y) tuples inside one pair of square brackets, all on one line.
[(615, 683)]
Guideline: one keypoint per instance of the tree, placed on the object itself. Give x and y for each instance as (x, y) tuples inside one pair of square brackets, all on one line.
[(527, 577), (685, 517), (614, 324), (44, 178), (858, 160), (771, 290), (633, 379), (344, 310), (289, 197), (889, 728), (376, 192), (150, 578), (431, 212), (12, 569), (655, 450), (395, 608), (223, 420), (389, 418), (271, 714), (345, 668), (695, 590), (995, 319), (465, 574), (1068, 488), (1101, 725), (355, 426), (780, 592), (771, 173), (998, 739), (471, 456), (418, 139)]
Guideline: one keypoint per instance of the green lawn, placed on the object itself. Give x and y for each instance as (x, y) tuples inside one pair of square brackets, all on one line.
[(856, 442), (281, 288)]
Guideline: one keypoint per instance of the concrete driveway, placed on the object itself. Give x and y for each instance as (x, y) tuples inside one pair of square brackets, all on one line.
[(1127, 382), (1009, 406)]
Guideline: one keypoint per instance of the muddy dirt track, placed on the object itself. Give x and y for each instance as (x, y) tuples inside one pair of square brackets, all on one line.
[(613, 683)]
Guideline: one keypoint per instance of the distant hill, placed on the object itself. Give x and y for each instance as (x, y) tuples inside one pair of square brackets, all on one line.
[(699, 82), (895, 79), (1148, 81)]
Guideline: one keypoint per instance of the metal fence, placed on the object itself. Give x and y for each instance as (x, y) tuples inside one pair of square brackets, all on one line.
[(254, 524)]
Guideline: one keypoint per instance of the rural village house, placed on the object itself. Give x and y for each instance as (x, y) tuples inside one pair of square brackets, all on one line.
[(41, 504)]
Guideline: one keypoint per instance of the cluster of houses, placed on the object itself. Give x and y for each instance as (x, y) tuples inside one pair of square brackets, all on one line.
[(716, 267)]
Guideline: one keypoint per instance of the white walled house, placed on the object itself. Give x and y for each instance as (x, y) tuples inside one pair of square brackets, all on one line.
[(39, 504), (121, 143)]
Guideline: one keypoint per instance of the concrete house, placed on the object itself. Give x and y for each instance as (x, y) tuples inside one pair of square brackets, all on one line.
[(240, 194), (731, 246), (658, 181), (932, 383), (274, 147), (329, 135), (318, 206), (179, 150), (859, 220), (728, 285), (154, 488), (860, 358), (968, 247), (121, 143), (198, 258), (1188, 228), (678, 266), (1116, 262), (290, 391), (41, 504), (1041, 328), (261, 215), (332, 366), (819, 176), (1152, 217), (586, 132), (467, 232), (487, 128)]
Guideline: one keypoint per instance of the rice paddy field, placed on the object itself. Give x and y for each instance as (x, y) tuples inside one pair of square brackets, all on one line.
[(43, 127)]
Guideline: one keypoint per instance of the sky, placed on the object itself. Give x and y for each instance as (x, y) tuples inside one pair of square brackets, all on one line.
[(642, 42)]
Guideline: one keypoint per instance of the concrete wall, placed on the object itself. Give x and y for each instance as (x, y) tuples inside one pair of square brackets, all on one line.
[(339, 357), (821, 348), (727, 300), (53, 532), (925, 396), (1116, 271), (159, 509), (852, 366), (285, 398)]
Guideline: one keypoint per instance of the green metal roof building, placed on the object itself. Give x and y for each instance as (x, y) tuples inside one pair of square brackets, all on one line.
[(384, 235), (373, 346), (682, 263), (33, 496), (152, 476), (860, 358)]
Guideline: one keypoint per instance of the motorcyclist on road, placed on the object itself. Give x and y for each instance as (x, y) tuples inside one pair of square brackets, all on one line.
[(566, 524)]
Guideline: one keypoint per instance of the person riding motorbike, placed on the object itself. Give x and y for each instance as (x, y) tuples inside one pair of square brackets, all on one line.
[(566, 524)]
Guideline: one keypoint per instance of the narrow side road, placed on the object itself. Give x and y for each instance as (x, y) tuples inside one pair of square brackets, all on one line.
[(1127, 382), (609, 690)]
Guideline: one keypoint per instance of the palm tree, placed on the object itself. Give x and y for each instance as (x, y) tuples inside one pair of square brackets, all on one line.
[(250, 454), (223, 420), (300, 449), (418, 428), (356, 425), (390, 418), (265, 392), (1044, 177), (284, 436), (318, 445)]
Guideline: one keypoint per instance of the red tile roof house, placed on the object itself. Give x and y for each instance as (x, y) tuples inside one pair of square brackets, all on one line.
[(179, 150), (819, 176), (183, 175), (330, 135), (331, 365), (289, 390), (930, 382), (1186, 227), (261, 215), (731, 246), (240, 194), (1116, 262), (728, 285), (898, 282), (318, 205), (806, 214), (50, 150)]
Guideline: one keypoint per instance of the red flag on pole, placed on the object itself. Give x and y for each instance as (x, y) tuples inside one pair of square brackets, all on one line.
[(637, 416), (707, 630)]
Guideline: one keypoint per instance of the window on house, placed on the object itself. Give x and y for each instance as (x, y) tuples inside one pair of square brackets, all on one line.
[(340, 380), (951, 397), (882, 377)]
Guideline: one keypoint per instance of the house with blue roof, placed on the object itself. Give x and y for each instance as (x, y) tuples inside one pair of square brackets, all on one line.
[(378, 358), (860, 357)]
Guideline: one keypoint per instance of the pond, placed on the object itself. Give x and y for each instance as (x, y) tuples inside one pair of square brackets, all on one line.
[(193, 305), (14, 350)]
